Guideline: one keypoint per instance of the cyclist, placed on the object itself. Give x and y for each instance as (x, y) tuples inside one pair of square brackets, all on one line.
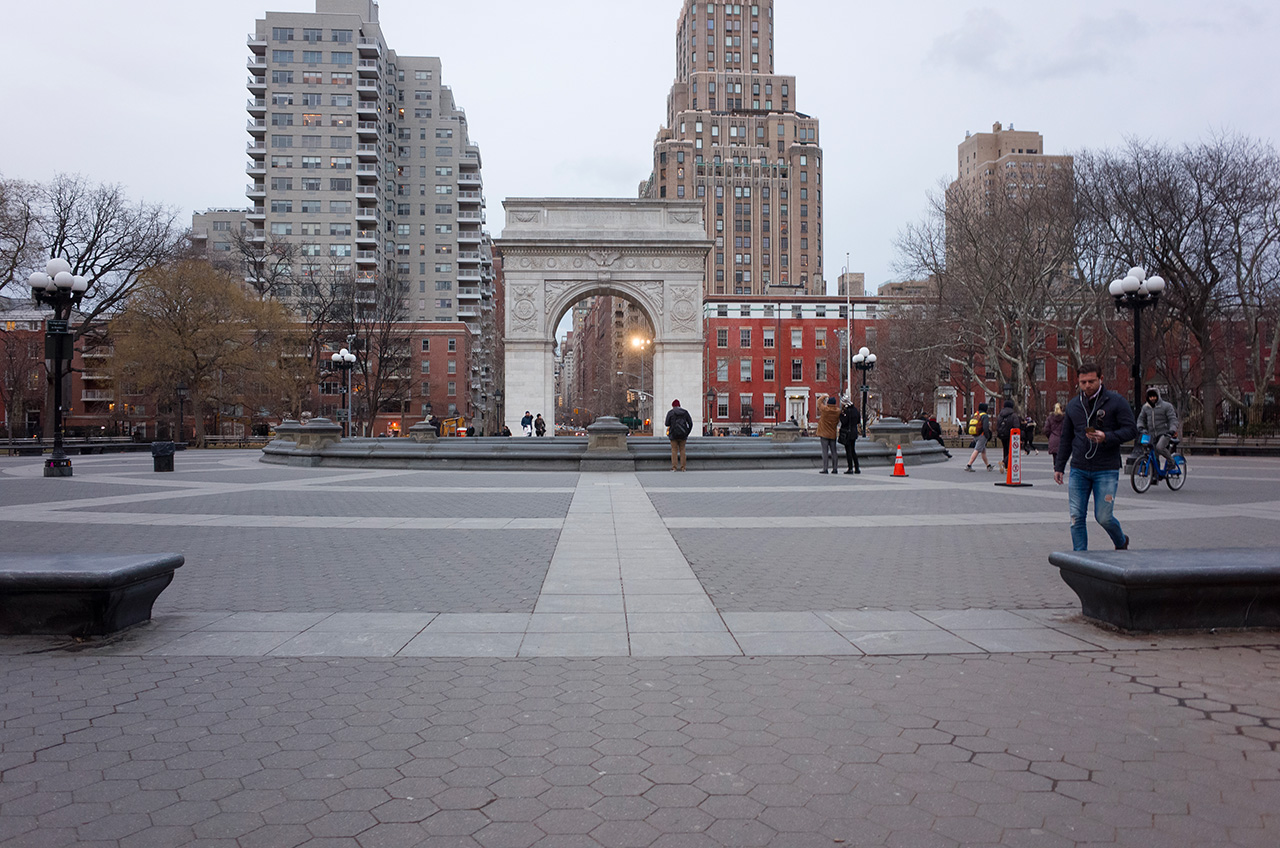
[(1159, 419)]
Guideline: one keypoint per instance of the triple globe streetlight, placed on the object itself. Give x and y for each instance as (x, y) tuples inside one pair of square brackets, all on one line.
[(59, 289), (864, 360), (1136, 291)]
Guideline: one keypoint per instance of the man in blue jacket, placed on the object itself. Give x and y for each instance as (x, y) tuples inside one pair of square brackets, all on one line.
[(1097, 422)]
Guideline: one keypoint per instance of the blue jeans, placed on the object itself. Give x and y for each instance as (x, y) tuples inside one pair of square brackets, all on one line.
[(1102, 485)]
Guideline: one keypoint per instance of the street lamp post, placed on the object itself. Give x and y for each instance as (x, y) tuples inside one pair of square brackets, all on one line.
[(1136, 291), (711, 399), (498, 397), (345, 360), (58, 288), (181, 391), (864, 360)]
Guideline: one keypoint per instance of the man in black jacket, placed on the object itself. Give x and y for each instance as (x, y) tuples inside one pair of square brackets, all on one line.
[(1098, 421)]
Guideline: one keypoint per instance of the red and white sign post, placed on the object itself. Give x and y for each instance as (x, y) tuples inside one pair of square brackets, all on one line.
[(1013, 468)]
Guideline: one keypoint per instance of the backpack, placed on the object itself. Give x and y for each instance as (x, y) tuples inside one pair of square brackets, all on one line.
[(976, 424), (681, 426)]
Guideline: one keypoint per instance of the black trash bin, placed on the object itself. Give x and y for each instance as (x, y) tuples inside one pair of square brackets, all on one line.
[(162, 456)]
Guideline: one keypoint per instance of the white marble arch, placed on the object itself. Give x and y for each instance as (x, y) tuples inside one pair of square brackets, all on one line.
[(556, 251)]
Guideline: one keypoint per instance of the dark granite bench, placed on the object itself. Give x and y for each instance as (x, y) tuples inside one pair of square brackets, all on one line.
[(80, 594), (1176, 589)]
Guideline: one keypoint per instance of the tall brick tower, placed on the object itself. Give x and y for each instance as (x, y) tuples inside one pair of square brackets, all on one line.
[(735, 140)]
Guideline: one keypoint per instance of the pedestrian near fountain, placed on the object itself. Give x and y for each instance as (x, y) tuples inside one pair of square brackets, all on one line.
[(526, 423), (850, 418), (539, 426), (828, 430), (679, 425)]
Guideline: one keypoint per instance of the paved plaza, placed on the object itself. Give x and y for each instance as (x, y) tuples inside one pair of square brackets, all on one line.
[(382, 657)]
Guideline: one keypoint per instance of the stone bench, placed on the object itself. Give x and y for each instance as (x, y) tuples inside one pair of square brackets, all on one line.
[(1175, 589), (80, 594)]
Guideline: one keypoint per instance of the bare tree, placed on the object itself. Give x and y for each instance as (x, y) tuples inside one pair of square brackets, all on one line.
[(18, 235), (1206, 217), (268, 266), (21, 367), (375, 316), (1002, 260), (913, 351), (106, 238)]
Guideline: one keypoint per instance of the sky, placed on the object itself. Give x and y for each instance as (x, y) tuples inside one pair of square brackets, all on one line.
[(564, 97)]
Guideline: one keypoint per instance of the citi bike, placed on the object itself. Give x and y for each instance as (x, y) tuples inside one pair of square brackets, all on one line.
[(1147, 467)]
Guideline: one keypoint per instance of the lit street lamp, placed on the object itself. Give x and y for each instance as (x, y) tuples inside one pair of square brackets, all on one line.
[(864, 360), (58, 288), (1136, 291), (345, 360), (711, 399)]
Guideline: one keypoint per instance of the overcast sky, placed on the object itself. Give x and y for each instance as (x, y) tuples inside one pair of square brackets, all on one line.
[(564, 96)]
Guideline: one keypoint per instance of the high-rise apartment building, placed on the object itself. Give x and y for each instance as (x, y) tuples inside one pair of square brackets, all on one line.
[(735, 140), (361, 158), (1004, 159)]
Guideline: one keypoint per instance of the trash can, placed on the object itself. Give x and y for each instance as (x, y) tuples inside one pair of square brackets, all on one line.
[(162, 456)]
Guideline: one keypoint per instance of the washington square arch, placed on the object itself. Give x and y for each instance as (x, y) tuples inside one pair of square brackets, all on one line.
[(555, 252)]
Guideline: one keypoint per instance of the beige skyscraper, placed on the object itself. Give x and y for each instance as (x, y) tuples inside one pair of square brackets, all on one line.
[(735, 140)]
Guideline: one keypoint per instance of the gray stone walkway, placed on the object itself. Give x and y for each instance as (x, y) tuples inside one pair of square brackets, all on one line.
[(395, 658)]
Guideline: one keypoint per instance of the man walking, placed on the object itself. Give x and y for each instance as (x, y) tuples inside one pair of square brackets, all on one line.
[(980, 429), (1096, 423), (1159, 419), (679, 425)]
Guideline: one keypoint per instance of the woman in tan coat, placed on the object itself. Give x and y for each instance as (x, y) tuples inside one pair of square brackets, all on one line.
[(828, 429)]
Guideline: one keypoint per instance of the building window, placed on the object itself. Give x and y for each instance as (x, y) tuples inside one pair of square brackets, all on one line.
[(744, 370), (722, 337), (797, 337), (820, 370), (820, 337), (453, 344), (722, 369), (768, 337), (768, 370), (744, 337), (770, 407), (797, 369), (453, 388)]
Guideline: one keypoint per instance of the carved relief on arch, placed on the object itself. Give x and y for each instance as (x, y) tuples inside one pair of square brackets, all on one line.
[(524, 309), (682, 309)]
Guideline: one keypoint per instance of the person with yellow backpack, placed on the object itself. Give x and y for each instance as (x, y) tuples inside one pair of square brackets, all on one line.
[(980, 429)]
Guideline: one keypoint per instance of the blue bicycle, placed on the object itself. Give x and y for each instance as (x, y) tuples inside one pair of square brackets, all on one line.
[(1147, 470)]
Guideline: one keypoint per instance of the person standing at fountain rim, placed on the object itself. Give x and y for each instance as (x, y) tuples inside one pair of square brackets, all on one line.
[(526, 423), (828, 429), (1097, 422), (850, 418), (679, 425)]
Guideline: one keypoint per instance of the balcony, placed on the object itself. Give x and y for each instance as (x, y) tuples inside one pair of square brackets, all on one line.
[(367, 236), (256, 168), (367, 151), (256, 63), (367, 168), (470, 195), (465, 178), (367, 108), (469, 275), (257, 83), (367, 128), (256, 213), (258, 235), (256, 127), (257, 105), (368, 64), (469, 236), (95, 375), (469, 256), (468, 293), (256, 148), (468, 312), (256, 42), (367, 85), (253, 190), (370, 47), (470, 216), (365, 256), (367, 190), (366, 213), (97, 396)]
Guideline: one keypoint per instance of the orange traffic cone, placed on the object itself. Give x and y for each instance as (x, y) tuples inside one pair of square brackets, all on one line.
[(899, 469)]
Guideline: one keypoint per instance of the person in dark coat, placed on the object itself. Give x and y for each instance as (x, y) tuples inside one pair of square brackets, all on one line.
[(679, 425), (539, 426), (931, 431), (850, 418), (1005, 423), (1097, 422)]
